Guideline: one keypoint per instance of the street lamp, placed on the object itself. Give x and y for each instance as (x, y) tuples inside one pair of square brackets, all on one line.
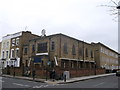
[(14, 66), (14, 60), (2, 64)]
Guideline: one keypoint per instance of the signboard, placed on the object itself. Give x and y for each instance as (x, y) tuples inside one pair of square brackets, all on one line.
[(37, 60)]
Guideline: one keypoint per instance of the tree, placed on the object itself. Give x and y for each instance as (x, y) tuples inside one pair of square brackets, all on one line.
[(114, 8)]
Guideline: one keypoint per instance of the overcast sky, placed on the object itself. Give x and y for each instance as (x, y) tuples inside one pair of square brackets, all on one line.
[(82, 19)]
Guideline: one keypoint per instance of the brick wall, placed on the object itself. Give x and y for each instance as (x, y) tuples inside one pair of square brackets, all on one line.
[(41, 72)]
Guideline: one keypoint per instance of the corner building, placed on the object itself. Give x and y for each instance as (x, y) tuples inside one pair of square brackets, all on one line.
[(59, 51)]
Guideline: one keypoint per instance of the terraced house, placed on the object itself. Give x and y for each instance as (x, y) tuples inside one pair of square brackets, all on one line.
[(11, 49)]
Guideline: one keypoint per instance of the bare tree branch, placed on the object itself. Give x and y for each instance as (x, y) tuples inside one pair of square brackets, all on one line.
[(114, 2)]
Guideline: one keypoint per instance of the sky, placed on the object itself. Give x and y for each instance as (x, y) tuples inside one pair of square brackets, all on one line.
[(82, 19)]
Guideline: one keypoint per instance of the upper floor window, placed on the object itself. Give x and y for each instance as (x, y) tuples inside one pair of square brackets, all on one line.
[(17, 52), (7, 45), (53, 46), (91, 52), (17, 41), (3, 54), (6, 54), (12, 53), (25, 51), (81, 51), (33, 48), (42, 47), (86, 52), (73, 50), (13, 42), (65, 49), (4, 45)]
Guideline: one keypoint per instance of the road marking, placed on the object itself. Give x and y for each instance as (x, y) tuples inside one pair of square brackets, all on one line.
[(99, 84), (46, 86), (20, 84), (43, 86), (37, 86)]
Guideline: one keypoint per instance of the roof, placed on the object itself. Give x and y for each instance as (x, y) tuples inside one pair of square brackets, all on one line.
[(59, 34), (99, 43)]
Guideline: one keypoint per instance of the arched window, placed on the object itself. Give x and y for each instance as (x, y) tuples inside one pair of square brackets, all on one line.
[(91, 53), (86, 52), (81, 51), (65, 49), (73, 50)]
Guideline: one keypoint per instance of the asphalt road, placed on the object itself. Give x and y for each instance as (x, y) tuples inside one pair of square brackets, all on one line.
[(103, 82)]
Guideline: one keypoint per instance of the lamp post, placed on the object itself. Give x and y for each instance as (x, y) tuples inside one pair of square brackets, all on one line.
[(48, 63), (14, 60), (46, 72), (2, 64)]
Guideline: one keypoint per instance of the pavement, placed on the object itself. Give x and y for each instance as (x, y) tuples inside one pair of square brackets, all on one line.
[(71, 80)]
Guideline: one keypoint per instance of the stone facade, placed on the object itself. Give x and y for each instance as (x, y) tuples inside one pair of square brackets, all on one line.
[(105, 57), (61, 51)]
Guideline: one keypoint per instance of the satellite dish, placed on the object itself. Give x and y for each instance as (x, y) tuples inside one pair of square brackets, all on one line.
[(43, 32)]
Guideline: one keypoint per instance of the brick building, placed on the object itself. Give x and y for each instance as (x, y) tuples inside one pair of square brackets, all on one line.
[(62, 53), (16, 46), (11, 49), (105, 57), (61, 50)]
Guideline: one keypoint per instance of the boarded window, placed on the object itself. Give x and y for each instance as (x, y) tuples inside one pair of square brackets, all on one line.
[(42, 47)]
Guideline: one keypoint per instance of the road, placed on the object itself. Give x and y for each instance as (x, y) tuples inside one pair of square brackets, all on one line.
[(103, 82)]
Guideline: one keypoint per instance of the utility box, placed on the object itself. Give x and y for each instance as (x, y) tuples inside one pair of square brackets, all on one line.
[(67, 73)]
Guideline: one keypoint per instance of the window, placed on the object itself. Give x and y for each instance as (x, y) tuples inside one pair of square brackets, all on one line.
[(7, 44), (25, 51), (17, 52), (12, 53), (6, 54), (81, 52), (53, 46), (91, 54), (13, 42), (73, 50), (42, 47), (33, 48), (63, 64), (4, 45), (26, 64), (3, 54), (86, 52), (17, 41), (65, 50)]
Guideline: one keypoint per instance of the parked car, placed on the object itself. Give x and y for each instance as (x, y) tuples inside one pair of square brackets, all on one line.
[(118, 73)]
